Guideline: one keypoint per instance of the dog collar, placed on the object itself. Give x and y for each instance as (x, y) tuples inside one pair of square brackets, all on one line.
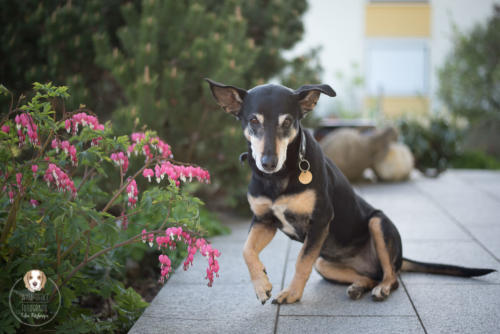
[(305, 176), (302, 149)]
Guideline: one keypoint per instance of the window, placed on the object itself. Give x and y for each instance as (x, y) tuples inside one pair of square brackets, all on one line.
[(397, 67)]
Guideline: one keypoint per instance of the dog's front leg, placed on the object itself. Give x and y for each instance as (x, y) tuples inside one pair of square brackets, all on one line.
[(259, 237), (308, 254)]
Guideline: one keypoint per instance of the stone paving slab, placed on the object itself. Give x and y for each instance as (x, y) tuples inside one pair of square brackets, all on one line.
[(453, 219), (463, 253), (423, 230), (489, 236), (467, 204), (147, 325), (458, 309), (348, 325), (221, 302), (488, 181)]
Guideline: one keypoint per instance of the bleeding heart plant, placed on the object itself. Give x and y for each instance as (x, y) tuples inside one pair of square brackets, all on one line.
[(57, 205)]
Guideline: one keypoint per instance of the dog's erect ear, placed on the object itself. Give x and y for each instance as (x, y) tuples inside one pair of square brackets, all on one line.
[(44, 279), (26, 280), (309, 95), (230, 98)]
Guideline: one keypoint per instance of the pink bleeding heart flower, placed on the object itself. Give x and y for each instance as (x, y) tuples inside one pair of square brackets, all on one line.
[(148, 173)]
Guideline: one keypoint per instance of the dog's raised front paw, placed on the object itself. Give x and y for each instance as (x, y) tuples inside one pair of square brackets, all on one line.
[(263, 288), (288, 296)]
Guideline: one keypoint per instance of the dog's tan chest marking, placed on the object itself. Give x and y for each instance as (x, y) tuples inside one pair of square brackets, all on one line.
[(301, 204), (259, 205)]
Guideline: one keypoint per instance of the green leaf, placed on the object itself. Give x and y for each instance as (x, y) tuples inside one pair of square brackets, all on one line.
[(4, 90)]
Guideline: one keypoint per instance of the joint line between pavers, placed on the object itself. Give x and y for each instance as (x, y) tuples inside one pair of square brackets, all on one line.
[(412, 304), (456, 221), (288, 246)]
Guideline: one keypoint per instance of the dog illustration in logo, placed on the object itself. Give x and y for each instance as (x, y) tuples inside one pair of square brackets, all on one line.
[(35, 280)]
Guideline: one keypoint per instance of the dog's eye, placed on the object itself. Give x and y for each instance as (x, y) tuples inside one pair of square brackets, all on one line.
[(254, 121), (286, 123)]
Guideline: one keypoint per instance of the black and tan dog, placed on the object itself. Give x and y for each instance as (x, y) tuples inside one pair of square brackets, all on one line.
[(295, 188)]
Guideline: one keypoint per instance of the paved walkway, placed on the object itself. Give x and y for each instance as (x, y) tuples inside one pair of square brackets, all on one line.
[(453, 219)]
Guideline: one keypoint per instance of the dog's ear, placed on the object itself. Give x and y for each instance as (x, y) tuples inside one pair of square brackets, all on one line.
[(44, 280), (309, 95), (230, 98), (26, 279)]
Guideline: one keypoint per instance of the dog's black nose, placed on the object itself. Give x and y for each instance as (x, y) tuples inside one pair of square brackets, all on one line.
[(35, 283), (269, 162)]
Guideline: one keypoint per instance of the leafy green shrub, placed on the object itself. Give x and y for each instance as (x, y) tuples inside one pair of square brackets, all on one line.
[(433, 144), (475, 160), (469, 78), (56, 216)]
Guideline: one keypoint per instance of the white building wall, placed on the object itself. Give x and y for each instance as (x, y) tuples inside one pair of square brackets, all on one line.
[(338, 27)]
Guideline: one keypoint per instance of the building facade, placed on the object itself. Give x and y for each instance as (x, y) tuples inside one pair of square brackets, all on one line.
[(395, 46)]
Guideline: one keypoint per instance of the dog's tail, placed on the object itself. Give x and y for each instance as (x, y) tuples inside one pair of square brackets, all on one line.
[(443, 269)]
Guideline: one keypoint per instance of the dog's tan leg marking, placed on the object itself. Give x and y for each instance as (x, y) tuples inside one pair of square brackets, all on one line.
[(259, 237), (303, 268), (389, 281), (342, 274)]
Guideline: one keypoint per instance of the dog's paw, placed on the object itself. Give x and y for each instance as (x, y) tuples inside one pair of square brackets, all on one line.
[(355, 291), (288, 296), (383, 290), (263, 288)]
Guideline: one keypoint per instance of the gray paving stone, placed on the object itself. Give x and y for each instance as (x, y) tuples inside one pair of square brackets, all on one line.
[(329, 299), (347, 325), (233, 269), (458, 309), (425, 230), (465, 203), (239, 232), (381, 189), (415, 215), (239, 227), (203, 303), (411, 208), (488, 236), (147, 325), (487, 181), (463, 253)]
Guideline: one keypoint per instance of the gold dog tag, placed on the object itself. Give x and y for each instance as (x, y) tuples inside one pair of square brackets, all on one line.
[(305, 177)]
